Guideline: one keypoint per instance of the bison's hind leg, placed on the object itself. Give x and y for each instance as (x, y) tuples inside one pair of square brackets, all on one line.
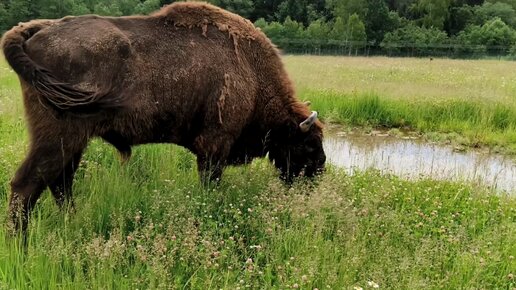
[(49, 163)]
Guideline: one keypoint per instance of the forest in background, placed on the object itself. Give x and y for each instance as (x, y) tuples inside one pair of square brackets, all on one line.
[(455, 28)]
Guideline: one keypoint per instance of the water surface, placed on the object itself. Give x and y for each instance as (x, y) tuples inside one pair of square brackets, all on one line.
[(414, 159)]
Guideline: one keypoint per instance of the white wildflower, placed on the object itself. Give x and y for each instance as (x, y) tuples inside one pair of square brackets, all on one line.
[(373, 284)]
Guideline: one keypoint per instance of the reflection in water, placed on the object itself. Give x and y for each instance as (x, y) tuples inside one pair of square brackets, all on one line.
[(414, 159)]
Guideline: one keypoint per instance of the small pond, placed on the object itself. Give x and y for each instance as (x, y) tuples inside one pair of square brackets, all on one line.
[(414, 158)]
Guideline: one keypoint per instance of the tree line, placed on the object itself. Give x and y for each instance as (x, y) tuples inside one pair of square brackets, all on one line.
[(421, 27)]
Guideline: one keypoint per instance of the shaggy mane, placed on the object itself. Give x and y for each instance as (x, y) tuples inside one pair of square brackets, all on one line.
[(201, 14)]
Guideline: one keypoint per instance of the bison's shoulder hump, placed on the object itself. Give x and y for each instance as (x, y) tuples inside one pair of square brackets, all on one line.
[(199, 14)]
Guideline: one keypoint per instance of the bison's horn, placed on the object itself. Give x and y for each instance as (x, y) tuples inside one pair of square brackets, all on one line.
[(306, 124), (307, 103)]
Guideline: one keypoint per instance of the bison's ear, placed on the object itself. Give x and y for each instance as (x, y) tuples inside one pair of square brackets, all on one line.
[(307, 124), (307, 103)]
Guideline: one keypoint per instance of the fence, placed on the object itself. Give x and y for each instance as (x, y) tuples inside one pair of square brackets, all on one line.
[(362, 48)]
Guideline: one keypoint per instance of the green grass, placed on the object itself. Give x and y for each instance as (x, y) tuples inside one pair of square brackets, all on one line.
[(470, 102), (149, 224)]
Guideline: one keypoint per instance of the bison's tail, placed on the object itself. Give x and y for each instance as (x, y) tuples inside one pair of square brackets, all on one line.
[(58, 94)]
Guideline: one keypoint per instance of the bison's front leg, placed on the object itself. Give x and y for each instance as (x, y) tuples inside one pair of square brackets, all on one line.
[(42, 167), (210, 169), (212, 154)]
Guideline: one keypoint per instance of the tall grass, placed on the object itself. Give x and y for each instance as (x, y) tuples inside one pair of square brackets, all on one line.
[(480, 124)]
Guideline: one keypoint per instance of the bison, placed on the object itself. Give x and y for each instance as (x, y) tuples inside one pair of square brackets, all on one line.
[(190, 74)]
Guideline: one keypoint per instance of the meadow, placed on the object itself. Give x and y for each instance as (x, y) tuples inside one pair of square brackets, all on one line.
[(149, 224)]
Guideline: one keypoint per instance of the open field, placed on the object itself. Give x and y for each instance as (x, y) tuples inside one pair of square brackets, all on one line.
[(470, 102), (150, 225), (407, 79)]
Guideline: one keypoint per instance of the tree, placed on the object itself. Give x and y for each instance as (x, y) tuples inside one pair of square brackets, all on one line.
[(376, 20), (107, 8), (90, 4), (3, 18), (292, 29), (54, 8), (241, 7), (512, 3), (374, 14), (291, 8), (274, 30), (434, 12), (80, 8), (460, 18), (338, 31), (318, 30), (128, 7), (18, 11), (346, 8), (355, 30), (400, 6), (495, 35), (304, 11), (147, 7), (459, 3), (396, 20), (265, 9), (261, 23), (504, 11), (352, 34), (412, 38), (316, 11)]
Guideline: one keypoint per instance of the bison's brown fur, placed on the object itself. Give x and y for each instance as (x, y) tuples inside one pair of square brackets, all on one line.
[(191, 74)]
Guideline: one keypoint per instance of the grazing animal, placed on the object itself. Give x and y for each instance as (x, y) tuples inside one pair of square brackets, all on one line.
[(190, 74)]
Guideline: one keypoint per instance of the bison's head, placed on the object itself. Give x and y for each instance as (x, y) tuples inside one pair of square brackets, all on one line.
[(297, 150)]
